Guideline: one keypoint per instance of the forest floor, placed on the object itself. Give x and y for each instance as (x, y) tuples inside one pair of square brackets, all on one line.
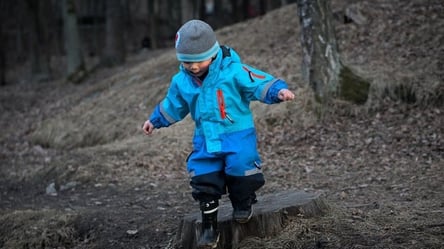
[(77, 172)]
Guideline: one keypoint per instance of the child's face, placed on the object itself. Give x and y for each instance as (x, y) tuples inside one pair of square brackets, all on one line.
[(197, 68)]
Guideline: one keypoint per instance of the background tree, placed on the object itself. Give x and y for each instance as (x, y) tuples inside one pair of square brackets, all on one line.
[(39, 50), (2, 47), (322, 68), (34, 33), (74, 58), (153, 9), (268, 5), (114, 52), (187, 10)]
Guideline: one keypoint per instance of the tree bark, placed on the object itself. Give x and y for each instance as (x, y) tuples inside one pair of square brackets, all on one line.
[(269, 218), (269, 5), (321, 64), (2, 64), (114, 52), (197, 11), (74, 59), (152, 20), (240, 9), (3, 10), (187, 10), (2, 54), (39, 41)]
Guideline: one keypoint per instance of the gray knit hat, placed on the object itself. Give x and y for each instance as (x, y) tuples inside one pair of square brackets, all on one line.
[(196, 41)]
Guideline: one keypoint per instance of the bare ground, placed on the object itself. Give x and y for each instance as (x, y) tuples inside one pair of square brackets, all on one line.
[(380, 166)]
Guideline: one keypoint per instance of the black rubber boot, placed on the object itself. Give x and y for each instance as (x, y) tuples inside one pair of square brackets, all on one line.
[(243, 211), (242, 208), (210, 235)]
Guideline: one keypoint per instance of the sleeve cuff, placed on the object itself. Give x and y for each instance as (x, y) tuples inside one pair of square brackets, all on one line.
[(273, 92), (157, 119)]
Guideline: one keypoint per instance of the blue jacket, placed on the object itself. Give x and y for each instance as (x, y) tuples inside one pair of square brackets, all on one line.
[(221, 103)]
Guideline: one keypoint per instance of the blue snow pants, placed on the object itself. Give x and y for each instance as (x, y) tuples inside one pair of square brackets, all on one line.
[(236, 168)]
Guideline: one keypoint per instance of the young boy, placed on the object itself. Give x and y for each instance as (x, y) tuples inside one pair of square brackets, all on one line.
[(216, 88)]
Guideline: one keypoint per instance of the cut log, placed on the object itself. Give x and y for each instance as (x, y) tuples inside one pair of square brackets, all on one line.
[(269, 218)]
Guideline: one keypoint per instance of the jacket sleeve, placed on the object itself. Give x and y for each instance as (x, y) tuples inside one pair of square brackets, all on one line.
[(171, 109), (258, 85)]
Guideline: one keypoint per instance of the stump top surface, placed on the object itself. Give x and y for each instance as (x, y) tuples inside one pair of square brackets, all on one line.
[(266, 203)]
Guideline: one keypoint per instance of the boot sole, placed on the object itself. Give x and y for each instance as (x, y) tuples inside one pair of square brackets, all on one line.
[(243, 221), (210, 246)]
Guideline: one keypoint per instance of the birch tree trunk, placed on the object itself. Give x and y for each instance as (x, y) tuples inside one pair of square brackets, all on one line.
[(321, 64), (74, 59)]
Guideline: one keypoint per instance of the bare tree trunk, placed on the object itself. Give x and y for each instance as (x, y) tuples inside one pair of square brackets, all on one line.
[(187, 10), (269, 5), (218, 15), (74, 59), (4, 9), (212, 13), (236, 11), (240, 10), (152, 16), (246, 9), (2, 60), (197, 10), (114, 52), (2, 47), (190, 9), (321, 64), (39, 41), (97, 28)]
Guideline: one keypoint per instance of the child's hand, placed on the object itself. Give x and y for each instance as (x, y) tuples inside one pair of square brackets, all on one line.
[(148, 127), (285, 95)]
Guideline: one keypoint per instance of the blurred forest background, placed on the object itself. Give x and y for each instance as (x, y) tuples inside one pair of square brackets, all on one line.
[(68, 38)]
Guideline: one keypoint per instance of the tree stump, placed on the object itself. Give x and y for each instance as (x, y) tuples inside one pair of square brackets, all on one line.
[(269, 216)]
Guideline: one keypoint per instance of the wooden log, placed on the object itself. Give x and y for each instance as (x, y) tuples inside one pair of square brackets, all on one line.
[(269, 218)]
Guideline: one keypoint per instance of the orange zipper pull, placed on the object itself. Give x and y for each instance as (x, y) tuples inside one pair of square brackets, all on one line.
[(220, 100)]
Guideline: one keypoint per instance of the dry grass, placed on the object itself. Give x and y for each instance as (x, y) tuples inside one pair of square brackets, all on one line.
[(404, 67), (38, 229)]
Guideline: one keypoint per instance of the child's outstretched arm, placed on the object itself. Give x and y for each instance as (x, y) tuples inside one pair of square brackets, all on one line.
[(170, 110), (285, 95)]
